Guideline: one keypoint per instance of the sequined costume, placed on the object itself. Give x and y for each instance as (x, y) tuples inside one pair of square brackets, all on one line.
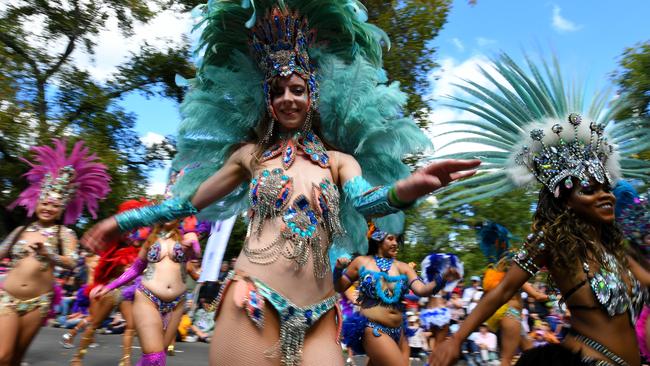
[(10, 304), (376, 288)]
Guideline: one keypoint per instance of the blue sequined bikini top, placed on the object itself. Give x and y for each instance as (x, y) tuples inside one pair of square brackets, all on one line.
[(380, 288), (611, 291), (177, 254), (270, 197)]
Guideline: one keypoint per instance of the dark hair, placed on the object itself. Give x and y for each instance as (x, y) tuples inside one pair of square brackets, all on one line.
[(373, 245), (567, 233)]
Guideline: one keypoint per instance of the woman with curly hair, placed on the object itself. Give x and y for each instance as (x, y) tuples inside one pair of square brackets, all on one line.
[(61, 185), (574, 234)]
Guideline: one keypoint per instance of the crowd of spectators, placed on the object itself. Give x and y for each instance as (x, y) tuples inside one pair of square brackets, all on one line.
[(542, 323)]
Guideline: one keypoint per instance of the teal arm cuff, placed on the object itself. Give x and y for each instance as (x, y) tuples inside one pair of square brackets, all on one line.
[(166, 211), (368, 200)]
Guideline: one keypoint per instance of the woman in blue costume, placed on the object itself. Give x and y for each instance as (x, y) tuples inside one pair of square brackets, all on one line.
[(538, 137), (379, 329), (282, 122)]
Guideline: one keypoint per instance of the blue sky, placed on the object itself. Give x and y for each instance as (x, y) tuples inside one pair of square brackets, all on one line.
[(587, 36)]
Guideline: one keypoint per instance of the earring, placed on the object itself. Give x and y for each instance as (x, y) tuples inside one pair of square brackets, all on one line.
[(269, 133), (306, 127)]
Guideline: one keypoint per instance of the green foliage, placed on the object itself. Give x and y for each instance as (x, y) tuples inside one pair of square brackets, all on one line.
[(634, 80), (411, 26), (453, 230), (45, 95)]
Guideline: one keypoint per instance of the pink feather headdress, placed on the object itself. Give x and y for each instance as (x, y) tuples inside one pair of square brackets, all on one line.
[(73, 181)]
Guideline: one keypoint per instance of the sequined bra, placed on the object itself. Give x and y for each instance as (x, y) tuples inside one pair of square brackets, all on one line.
[(611, 291), (177, 254), (270, 196), (375, 288)]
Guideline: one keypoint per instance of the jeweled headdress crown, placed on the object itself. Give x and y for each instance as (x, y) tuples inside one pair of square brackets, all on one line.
[(375, 233), (280, 42), (557, 152)]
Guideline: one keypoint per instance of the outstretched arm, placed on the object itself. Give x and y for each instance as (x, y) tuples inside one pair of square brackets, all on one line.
[(232, 174), (424, 290), (382, 200)]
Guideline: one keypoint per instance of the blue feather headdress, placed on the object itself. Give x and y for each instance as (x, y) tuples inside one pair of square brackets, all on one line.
[(494, 241), (360, 112), (437, 263)]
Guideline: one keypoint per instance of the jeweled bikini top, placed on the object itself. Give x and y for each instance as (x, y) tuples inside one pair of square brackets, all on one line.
[(155, 255), (380, 288), (177, 254), (270, 197), (611, 291), (20, 248)]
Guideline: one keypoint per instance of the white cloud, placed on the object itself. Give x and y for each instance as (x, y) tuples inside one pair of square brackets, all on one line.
[(482, 41), (156, 188), (167, 29), (454, 72), (152, 138), (458, 44), (562, 24)]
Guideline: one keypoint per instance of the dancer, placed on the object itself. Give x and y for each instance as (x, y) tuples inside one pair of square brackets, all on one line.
[(111, 265), (633, 215), (379, 329), (574, 234), (60, 186), (288, 155), (160, 295), (436, 316)]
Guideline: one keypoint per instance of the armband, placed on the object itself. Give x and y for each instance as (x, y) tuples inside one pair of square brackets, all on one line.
[(529, 251), (129, 275), (167, 211), (371, 201), (413, 281)]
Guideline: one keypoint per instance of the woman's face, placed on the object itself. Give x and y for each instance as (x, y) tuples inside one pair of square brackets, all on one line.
[(595, 202), (47, 212), (290, 102), (389, 246)]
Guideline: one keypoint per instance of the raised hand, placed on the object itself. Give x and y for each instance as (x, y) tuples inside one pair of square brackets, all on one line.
[(434, 176), (97, 238), (342, 262), (98, 291)]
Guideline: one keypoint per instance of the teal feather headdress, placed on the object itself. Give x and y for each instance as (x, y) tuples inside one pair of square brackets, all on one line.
[(537, 100), (360, 112)]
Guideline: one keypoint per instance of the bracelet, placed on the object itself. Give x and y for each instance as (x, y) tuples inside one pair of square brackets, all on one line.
[(411, 282), (392, 197), (167, 211)]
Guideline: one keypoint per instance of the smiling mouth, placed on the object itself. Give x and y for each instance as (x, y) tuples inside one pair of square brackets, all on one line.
[(606, 206)]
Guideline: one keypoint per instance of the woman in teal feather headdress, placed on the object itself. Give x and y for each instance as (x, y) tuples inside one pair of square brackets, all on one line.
[(279, 121)]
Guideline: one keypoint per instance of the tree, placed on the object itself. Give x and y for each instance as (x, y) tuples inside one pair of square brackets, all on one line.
[(634, 80), (44, 94), (411, 26)]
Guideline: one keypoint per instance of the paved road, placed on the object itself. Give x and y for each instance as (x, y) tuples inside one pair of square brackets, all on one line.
[(46, 351)]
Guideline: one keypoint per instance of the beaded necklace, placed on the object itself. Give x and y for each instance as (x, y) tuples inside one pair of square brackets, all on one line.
[(384, 264)]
